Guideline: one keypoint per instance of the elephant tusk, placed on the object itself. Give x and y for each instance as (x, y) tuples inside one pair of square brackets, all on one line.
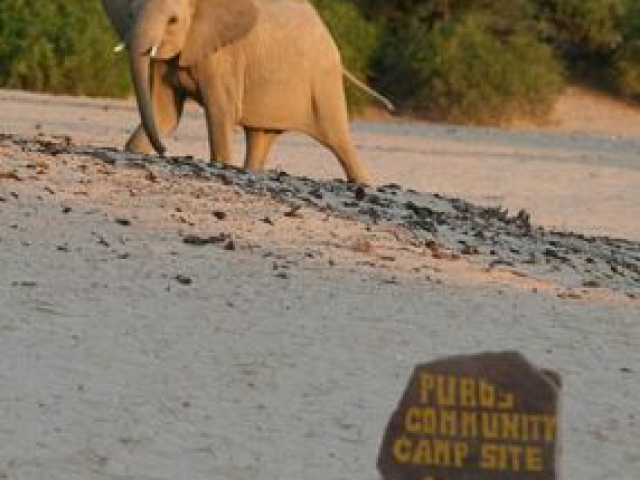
[(154, 51), (120, 47)]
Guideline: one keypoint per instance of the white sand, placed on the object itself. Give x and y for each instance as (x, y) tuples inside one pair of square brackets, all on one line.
[(285, 357)]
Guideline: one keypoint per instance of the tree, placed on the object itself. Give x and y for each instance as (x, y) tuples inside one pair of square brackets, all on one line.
[(61, 46)]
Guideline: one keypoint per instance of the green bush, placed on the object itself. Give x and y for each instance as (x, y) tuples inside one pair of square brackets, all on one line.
[(626, 61), (581, 27), (482, 61), (357, 40), (461, 72), (59, 46)]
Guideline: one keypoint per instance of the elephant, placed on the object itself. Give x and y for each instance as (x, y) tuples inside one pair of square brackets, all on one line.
[(270, 66)]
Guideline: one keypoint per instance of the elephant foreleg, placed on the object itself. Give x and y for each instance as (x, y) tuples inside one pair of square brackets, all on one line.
[(220, 132), (168, 103), (259, 143)]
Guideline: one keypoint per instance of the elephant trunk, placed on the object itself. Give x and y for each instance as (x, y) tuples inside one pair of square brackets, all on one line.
[(143, 46)]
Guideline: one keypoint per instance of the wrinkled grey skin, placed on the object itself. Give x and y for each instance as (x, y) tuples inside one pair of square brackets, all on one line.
[(267, 65)]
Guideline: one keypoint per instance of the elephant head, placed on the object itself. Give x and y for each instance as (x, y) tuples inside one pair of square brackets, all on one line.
[(160, 30)]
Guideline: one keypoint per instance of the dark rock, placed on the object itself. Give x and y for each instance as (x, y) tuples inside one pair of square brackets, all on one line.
[(294, 212), (198, 241), (470, 250), (183, 279), (25, 283), (10, 176), (316, 193), (101, 240), (500, 262)]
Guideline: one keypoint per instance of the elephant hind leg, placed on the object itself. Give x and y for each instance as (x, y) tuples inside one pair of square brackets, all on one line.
[(332, 127), (333, 132), (259, 143), (343, 149)]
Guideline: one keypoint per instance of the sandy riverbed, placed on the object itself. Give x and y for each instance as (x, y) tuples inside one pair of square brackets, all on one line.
[(279, 348)]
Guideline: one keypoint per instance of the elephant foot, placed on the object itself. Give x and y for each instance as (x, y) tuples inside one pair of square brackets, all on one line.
[(220, 160), (356, 174), (363, 180)]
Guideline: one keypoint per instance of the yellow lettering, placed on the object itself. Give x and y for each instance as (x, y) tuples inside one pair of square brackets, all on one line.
[(533, 427), (510, 423), (442, 453), (512, 457), (422, 453), (489, 425), (506, 401), (467, 392), (487, 394), (461, 452), (488, 456), (412, 421), (550, 424), (448, 422), (533, 459), (402, 450), (429, 421), (446, 391), (468, 424), (427, 386)]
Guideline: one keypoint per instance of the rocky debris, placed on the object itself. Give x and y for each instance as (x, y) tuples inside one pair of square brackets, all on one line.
[(183, 279), (447, 227), (10, 176), (198, 241), (294, 212), (101, 240), (125, 222), (25, 283)]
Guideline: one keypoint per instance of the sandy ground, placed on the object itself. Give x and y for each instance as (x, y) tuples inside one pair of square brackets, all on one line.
[(279, 347)]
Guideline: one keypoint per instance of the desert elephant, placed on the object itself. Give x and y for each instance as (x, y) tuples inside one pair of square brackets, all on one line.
[(267, 65)]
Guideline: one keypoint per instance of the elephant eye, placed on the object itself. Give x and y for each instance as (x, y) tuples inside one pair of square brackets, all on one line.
[(173, 19)]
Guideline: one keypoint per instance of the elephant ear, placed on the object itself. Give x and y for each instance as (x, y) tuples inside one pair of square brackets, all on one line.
[(216, 24), (119, 12)]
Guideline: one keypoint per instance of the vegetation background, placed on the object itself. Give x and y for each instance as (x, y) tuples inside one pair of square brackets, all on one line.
[(465, 61)]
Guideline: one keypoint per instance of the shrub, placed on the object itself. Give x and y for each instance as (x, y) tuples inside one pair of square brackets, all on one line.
[(581, 27), (626, 61), (357, 40), (59, 46), (459, 71)]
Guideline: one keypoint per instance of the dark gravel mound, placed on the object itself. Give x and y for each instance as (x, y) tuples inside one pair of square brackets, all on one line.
[(492, 235)]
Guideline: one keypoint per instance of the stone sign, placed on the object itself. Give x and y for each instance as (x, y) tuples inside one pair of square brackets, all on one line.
[(491, 416)]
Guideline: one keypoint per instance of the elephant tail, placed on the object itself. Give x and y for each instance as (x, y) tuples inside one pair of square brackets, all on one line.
[(365, 88)]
